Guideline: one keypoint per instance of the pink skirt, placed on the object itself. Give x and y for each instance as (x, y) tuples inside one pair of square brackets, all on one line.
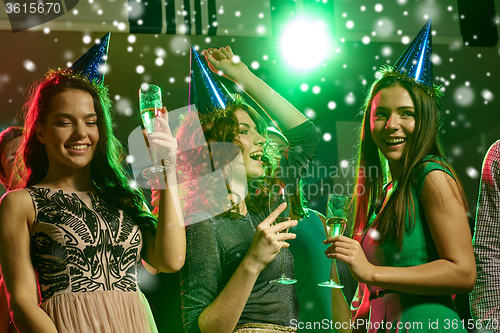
[(100, 312)]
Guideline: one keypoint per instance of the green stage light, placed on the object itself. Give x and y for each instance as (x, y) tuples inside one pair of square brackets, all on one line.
[(305, 43)]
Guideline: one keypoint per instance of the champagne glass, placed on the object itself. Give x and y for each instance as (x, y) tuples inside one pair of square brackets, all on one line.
[(335, 226), (150, 103), (277, 196)]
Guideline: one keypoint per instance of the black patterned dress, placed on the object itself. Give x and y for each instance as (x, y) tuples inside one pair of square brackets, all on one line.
[(86, 255)]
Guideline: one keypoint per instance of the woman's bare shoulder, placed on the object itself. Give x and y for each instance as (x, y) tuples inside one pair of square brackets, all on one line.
[(16, 197), (440, 183)]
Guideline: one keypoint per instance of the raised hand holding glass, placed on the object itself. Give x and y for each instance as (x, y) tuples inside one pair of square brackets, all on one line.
[(151, 107)]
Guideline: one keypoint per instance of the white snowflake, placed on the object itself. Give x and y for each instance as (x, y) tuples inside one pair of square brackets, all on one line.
[(310, 113), (130, 159), (487, 95), (350, 99), (384, 27), (472, 172), (29, 65), (124, 107), (374, 234), (464, 96), (387, 51), (456, 151), (436, 59)]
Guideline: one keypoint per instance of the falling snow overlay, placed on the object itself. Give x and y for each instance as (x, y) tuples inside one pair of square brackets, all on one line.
[(325, 78)]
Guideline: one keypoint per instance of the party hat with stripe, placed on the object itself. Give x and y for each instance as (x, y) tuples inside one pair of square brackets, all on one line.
[(415, 65), (92, 63), (206, 92)]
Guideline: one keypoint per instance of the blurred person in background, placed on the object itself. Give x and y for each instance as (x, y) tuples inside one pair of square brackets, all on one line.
[(10, 138), (485, 297)]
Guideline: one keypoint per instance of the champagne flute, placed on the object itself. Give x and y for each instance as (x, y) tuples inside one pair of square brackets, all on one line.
[(277, 196), (150, 103), (335, 226)]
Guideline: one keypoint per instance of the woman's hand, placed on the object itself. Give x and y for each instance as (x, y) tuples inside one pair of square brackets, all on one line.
[(166, 144), (165, 250), (223, 62), (269, 239), (350, 251)]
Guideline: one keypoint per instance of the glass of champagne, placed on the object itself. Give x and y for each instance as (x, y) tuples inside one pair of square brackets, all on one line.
[(277, 196), (151, 106), (335, 226)]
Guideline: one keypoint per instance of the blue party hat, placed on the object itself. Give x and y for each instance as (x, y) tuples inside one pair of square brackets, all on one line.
[(415, 65), (92, 62), (205, 90), (415, 62)]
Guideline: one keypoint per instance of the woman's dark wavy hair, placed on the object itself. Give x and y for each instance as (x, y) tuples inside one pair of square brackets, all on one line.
[(197, 159), (369, 192), (107, 168)]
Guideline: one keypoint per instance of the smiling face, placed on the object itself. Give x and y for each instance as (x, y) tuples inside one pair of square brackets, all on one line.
[(252, 145), (392, 122), (70, 133)]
